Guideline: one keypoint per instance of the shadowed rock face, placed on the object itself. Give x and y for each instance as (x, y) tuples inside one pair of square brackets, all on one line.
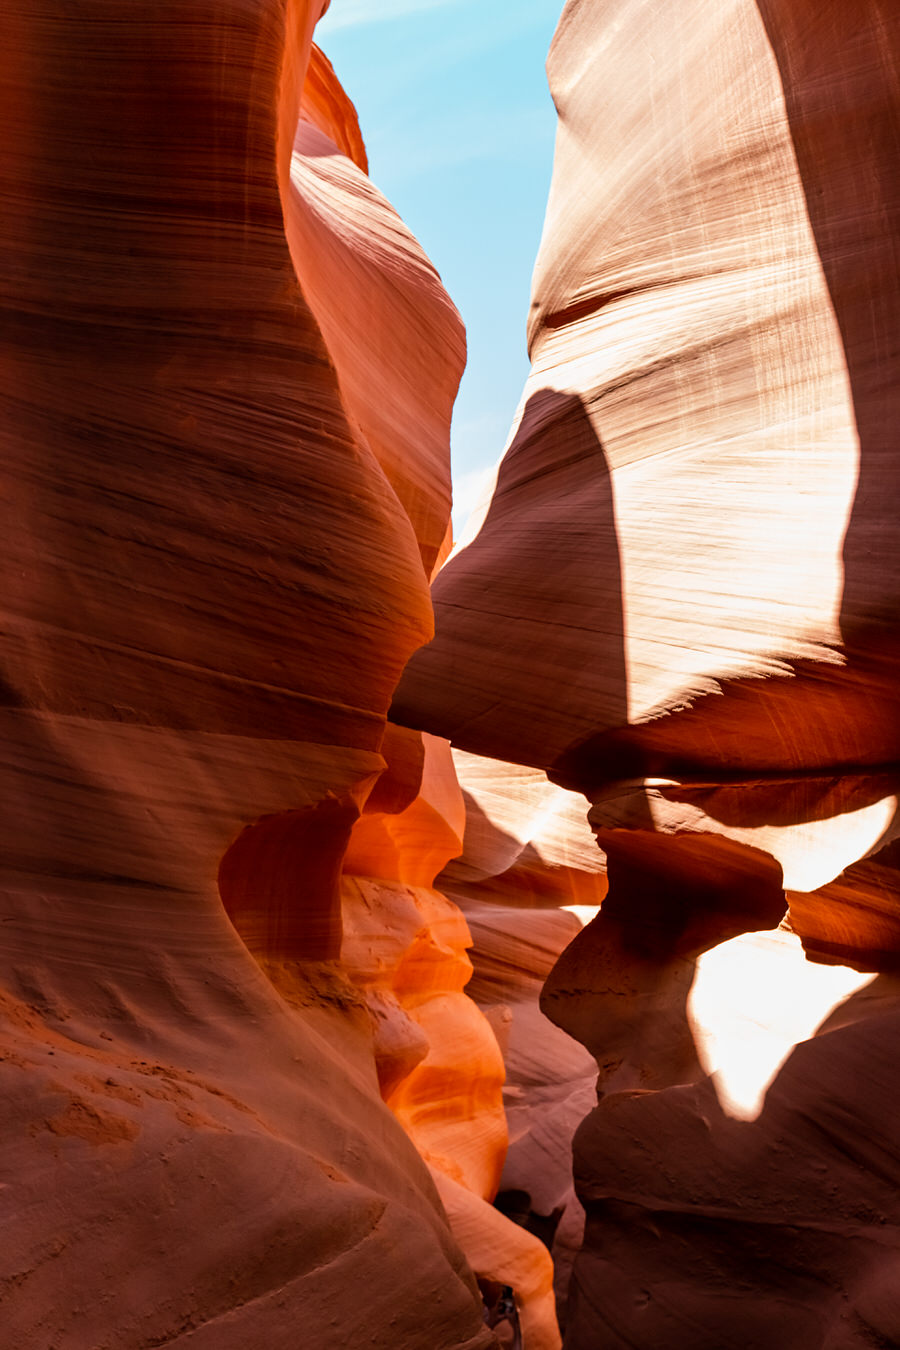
[(199, 650), (683, 602), (555, 616)]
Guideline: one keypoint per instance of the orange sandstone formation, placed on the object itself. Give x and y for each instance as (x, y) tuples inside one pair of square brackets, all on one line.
[(200, 649), (526, 839), (227, 379), (528, 875), (405, 945), (391, 330), (438, 1061), (682, 601)]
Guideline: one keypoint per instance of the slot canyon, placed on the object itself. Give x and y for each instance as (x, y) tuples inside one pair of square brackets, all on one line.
[(450, 944)]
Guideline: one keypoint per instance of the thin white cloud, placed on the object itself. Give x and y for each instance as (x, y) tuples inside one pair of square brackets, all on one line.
[(357, 13)]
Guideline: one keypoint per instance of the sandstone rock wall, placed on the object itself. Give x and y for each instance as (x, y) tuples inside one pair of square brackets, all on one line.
[(439, 1062), (227, 378), (687, 582), (201, 642)]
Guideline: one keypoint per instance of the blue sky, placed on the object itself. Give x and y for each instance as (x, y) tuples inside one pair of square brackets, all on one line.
[(459, 127)]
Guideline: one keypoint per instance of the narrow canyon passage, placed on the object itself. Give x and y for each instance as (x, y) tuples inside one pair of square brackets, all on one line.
[(425, 947)]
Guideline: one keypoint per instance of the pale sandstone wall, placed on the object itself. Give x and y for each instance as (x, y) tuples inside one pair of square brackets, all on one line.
[(683, 602)]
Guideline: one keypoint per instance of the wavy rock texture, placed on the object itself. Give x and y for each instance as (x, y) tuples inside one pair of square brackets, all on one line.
[(199, 652), (550, 1078), (705, 453), (391, 330), (405, 945)]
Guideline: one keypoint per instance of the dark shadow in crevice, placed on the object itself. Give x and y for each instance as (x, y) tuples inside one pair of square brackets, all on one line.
[(517, 1206)]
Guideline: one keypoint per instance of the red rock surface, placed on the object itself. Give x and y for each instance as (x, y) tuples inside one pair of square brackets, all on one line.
[(199, 651), (394, 337), (526, 839)]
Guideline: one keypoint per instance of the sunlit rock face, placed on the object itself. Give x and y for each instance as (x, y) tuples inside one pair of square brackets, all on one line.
[(704, 446), (201, 643), (526, 840), (682, 602), (389, 325)]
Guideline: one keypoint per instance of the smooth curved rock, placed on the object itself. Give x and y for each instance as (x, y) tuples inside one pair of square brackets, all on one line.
[(777, 1232), (396, 340), (526, 840)]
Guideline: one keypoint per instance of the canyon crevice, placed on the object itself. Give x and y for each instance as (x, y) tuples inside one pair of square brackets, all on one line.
[(387, 927)]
